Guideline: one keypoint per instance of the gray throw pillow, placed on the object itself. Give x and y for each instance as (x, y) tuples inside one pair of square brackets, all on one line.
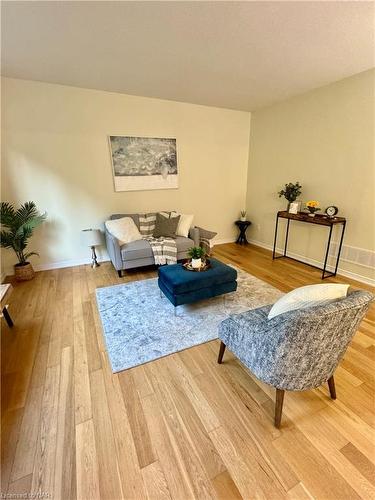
[(207, 235), (165, 227), (204, 239)]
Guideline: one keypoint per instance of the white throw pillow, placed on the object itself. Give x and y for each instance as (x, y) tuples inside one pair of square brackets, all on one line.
[(184, 224), (124, 230), (308, 296)]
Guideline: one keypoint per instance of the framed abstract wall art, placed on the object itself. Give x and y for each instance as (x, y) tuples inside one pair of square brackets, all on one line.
[(143, 163)]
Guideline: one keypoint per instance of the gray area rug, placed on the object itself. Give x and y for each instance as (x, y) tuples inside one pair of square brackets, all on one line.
[(140, 326)]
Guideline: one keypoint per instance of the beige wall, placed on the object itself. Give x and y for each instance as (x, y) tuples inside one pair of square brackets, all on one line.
[(325, 140), (55, 152)]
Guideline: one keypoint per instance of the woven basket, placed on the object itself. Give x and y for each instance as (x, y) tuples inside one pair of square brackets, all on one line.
[(25, 272)]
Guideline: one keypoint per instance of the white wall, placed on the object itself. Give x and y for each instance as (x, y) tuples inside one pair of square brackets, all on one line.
[(55, 152), (325, 140)]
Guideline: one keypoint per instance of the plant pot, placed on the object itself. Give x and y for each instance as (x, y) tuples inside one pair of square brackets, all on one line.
[(312, 211), (196, 263), (24, 272), (243, 219)]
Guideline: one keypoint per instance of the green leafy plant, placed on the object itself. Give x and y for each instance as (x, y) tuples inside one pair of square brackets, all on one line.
[(17, 227), (291, 191), (196, 252)]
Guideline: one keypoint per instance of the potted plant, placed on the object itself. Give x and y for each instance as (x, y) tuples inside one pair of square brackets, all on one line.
[(243, 215), (196, 254), (291, 192), (312, 206), (17, 227)]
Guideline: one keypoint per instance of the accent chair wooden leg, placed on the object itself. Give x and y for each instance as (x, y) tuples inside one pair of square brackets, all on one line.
[(221, 353), (332, 388), (279, 406), (119, 273)]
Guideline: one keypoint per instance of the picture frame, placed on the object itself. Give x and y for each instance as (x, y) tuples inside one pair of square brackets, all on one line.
[(143, 163), (294, 207)]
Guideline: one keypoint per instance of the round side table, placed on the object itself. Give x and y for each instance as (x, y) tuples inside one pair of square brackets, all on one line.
[(242, 226)]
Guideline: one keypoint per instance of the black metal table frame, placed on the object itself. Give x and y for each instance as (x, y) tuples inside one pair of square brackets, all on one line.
[(325, 273)]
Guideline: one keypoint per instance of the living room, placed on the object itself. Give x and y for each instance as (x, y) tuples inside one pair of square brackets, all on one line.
[(139, 357)]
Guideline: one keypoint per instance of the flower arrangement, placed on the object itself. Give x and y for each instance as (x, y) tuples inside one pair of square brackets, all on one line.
[(312, 206), (291, 191)]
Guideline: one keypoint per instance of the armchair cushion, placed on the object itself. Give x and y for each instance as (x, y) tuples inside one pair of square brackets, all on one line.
[(308, 296)]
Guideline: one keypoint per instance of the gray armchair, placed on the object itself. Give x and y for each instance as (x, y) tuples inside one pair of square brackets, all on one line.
[(297, 350)]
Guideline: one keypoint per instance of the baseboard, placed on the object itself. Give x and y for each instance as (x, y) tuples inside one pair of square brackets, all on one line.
[(313, 262), (223, 241), (65, 263), (59, 265)]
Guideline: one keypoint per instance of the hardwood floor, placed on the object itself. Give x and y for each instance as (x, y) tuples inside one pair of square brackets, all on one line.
[(180, 427)]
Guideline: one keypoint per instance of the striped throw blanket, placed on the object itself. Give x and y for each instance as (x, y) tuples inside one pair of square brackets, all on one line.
[(164, 250)]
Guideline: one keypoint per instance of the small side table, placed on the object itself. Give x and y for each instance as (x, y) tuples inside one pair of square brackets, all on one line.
[(5, 291), (242, 226)]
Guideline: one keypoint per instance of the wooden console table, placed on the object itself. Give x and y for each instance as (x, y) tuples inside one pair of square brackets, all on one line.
[(320, 220)]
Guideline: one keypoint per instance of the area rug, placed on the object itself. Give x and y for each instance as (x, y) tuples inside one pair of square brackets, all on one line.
[(140, 326)]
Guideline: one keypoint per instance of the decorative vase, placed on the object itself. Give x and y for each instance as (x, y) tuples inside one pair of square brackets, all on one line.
[(243, 219), (196, 263), (24, 272)]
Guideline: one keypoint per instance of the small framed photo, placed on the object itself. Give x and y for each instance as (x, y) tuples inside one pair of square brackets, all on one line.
[(294, 207)]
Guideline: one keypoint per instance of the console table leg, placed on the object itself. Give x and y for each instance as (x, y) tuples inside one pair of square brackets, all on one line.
[(286, 237), (275, 239), (340, 247), (327, 252)]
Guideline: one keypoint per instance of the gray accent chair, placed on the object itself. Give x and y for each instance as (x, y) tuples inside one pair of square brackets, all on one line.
[(298, 350), (139, 253)]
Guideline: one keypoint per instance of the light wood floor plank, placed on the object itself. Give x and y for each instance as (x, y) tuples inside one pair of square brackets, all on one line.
[(155, 482), (87, 462), (109, 481), (129, 471), (44, 460), (65, 461)]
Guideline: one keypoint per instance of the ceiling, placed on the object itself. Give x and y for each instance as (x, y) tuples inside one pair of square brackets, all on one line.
[(240, 55)]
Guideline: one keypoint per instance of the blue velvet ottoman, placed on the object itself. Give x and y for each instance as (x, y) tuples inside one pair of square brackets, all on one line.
[(184, 287)]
